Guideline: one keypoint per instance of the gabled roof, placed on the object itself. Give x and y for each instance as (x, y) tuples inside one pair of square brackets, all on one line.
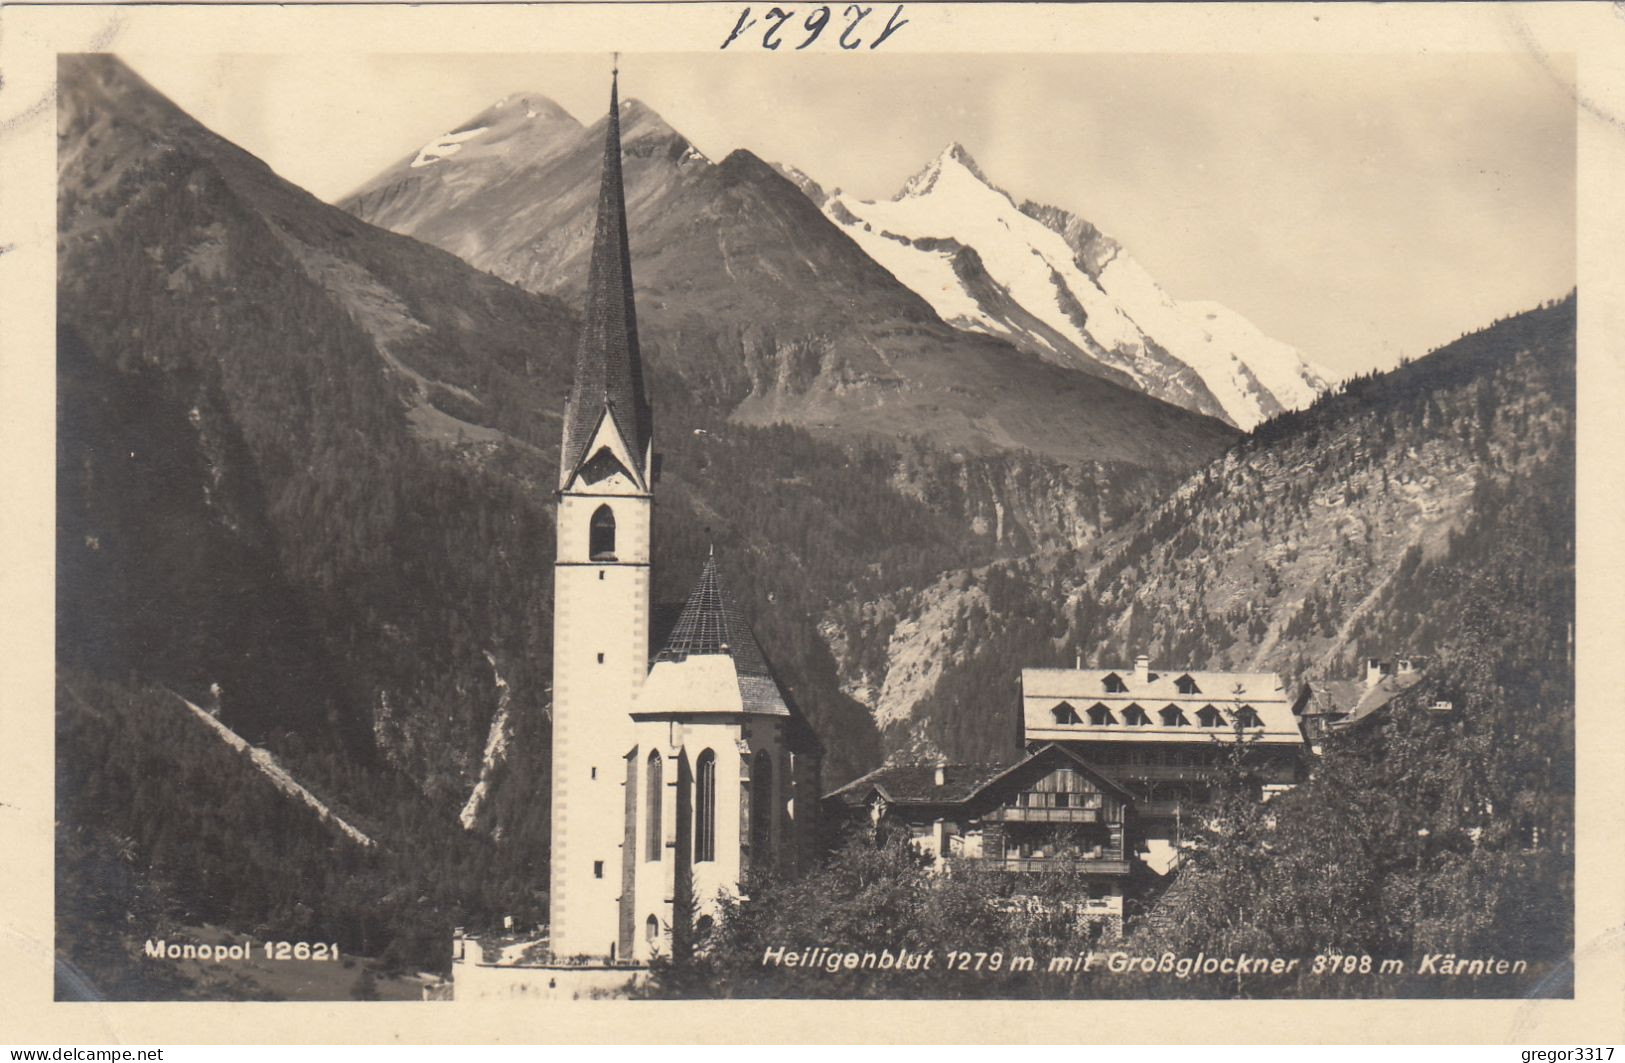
[(1161, 687), (608, 365), (915, 784), (711, 662), (1348, 701)]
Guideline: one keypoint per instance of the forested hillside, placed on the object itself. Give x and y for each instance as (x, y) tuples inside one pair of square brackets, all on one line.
[(1311, 543), (1425, 832)]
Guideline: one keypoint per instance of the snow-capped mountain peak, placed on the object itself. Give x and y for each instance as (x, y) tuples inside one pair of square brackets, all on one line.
[(953, 160), (1053, 284)]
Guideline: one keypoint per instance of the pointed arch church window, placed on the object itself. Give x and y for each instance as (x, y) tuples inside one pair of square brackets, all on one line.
[(601, 535), (705, 808), (653, 783)]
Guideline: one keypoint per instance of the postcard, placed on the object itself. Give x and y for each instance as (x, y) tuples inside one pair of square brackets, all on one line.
[(530, 517)]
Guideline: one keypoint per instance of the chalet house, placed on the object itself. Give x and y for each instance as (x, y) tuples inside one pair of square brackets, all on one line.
[(1051, 811), (1160, 734), (1114, 759), (1326, 705)]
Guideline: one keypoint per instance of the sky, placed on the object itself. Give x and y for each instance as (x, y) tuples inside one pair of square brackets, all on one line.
[(1363, 208)]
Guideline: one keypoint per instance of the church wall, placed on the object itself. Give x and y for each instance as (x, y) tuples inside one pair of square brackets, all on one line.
[(656, 888)]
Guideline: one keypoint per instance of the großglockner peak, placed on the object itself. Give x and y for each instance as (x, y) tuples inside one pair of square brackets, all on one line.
[(1053, 284)]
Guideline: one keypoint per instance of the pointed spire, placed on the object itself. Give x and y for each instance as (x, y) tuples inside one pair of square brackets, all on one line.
[(609, 365)]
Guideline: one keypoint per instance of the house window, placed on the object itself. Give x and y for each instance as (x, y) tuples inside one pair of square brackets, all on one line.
[(1247, 717), (1065, 713), (1172, 717), (705, 808), (1100, 715), (1135, 716), (654, 783), (651, 929), (597, 869), (1208, 716), (601, 535), (1187, 685), (1115, 685)]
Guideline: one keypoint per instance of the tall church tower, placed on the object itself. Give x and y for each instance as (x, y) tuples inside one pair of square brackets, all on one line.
[(601, 587)]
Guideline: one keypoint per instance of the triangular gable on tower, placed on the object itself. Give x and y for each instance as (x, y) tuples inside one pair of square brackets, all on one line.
[(608, 382)]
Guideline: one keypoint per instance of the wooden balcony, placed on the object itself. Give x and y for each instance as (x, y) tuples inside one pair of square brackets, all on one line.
[(1112, 865), (1159, 773), (1044, 815)]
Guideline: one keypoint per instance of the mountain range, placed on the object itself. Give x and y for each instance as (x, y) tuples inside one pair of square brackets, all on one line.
[(1035, 277), (752, 295)]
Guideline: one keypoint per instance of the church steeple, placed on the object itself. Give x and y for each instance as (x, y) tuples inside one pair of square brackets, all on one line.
[(608, 381)]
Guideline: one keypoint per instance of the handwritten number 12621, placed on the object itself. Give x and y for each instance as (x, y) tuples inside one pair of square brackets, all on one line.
[(813, 25)]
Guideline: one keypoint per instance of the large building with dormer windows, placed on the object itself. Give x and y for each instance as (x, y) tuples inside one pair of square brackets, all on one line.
[(674, 773), (1114, 761), (1159, 735)]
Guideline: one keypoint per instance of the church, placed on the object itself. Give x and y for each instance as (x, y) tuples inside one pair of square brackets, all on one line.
[(676, 773)]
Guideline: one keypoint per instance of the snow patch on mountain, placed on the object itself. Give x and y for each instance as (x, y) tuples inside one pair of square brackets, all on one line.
[(496, 749), (1095, 299), (276, 773), (444, 147)]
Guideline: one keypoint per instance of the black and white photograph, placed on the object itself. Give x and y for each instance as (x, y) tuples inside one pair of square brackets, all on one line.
[(814, 520)]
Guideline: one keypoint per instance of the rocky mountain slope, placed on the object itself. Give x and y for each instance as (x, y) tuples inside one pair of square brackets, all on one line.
[(1315, 541), (1053, 284), (754, 298)]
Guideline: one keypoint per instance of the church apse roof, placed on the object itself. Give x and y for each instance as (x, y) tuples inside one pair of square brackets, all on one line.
[(711, 661)]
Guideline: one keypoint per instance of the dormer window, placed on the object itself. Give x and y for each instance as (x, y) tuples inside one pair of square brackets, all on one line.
[(1100, 715), (1135, 716), (1172, 717), (1247, 717), (1208, 716), (601, 535), (1064, 713), (1115, 685), (1187, 685)]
